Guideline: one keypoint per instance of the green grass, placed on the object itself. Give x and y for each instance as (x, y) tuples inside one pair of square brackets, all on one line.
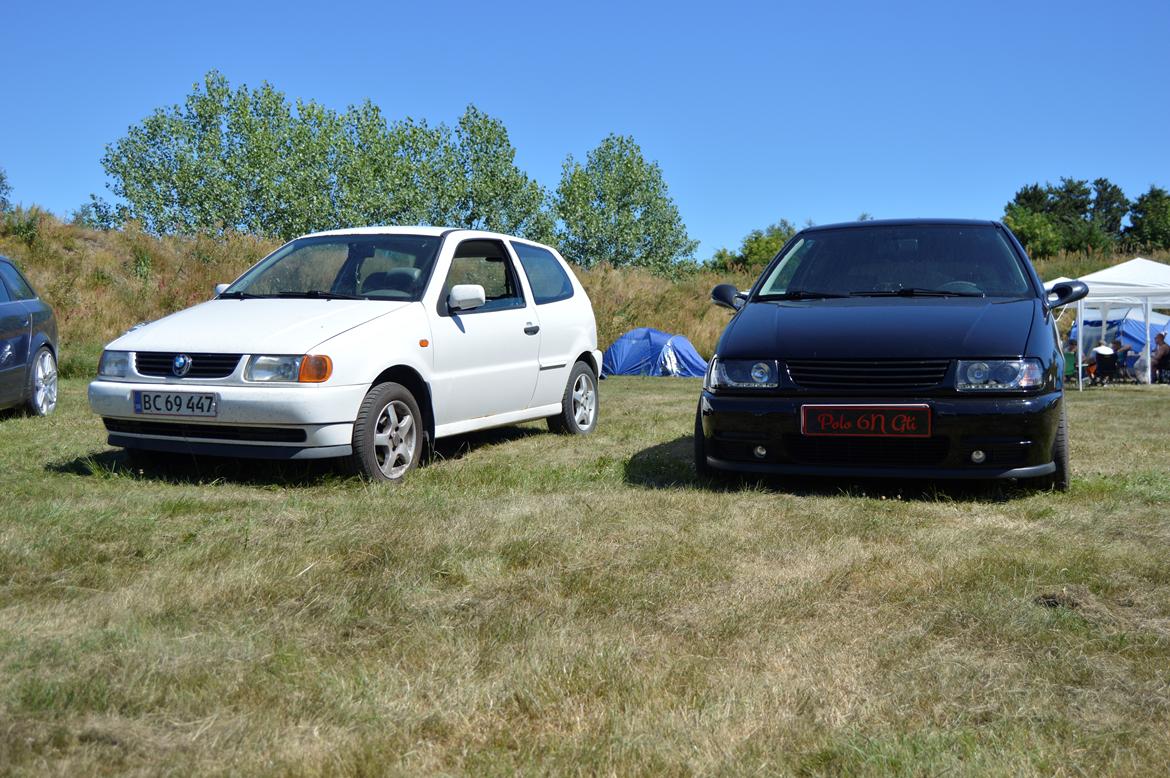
[(543, 604)]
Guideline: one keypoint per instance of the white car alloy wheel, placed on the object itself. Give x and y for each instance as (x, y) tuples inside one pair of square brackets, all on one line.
[(579, 406), (387, 439), (584, 401), (395, 439), (42, 396)]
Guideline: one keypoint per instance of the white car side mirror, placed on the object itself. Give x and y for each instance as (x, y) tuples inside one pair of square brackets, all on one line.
[(464, 297), (220, 289)]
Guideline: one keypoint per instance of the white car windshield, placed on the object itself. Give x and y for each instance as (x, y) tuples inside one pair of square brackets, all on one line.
[(382, 267)]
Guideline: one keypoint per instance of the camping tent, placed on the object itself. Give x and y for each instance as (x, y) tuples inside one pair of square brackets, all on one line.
[(1126, 324), (647, 351), (1137, 283)]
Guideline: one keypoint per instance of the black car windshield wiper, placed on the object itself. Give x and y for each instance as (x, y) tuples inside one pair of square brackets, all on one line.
[(799, 294), (317, 294), (913, 291), (240, 296)]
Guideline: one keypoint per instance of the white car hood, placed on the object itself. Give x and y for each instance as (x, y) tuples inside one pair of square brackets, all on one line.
[(264, 326)]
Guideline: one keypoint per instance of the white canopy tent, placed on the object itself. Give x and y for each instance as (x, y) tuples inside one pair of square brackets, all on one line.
[(1136, 283)]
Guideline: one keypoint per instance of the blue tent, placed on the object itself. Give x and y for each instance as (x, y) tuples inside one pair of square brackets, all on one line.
[(647, 351), (1126, 324)]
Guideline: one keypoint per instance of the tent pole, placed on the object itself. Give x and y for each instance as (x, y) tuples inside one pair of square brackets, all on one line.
[(1149, 367), (1080, 344)]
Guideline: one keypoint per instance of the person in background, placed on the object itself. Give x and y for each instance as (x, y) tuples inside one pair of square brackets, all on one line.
[(1160, 358), (1123, 352)]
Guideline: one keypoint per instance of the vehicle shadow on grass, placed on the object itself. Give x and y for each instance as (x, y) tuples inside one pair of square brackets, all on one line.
[(671, 465), (188, 469)]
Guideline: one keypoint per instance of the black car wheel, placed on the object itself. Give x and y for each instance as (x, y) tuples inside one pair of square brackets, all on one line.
[(41, 392), (703, 470), (1059, 480), (579, 405), (388, 438)]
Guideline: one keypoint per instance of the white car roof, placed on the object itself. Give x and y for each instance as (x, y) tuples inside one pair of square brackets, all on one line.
[(417, 230)]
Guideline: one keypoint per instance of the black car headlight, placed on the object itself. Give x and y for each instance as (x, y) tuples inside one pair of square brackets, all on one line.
[(998, 375), (743, 374)]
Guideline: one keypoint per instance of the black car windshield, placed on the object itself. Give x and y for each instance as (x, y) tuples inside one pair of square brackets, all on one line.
[(929, 260), (381, 267)]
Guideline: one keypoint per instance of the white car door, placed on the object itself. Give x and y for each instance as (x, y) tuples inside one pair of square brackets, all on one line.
[(485, 359)]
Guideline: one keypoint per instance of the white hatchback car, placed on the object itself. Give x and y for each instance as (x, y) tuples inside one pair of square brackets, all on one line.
[(367, 344)]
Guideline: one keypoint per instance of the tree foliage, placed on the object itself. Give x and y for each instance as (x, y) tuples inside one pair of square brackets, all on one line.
[(1073, 215), (757, 249), (5, 191), (616, 209), (1150, 220), (250, 160)]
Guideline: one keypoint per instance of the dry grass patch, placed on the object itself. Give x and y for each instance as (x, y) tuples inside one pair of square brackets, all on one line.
[(543, 604)]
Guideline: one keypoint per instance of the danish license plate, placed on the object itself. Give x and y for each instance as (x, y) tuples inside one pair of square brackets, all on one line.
[(176, 404), (866, 421)]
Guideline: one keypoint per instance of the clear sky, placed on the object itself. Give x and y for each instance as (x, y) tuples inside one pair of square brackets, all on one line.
[(755, 111)]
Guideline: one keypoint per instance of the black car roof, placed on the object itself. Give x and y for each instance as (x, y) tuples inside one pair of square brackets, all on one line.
[(902, 223)]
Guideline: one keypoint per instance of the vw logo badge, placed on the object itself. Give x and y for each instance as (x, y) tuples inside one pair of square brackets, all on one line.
[(180, 365)]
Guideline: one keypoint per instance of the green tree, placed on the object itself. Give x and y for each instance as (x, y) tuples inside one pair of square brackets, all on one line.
[(757, 249), (1150, 220), (1034, 229), (252, 161), (5, 191), (1084, 217), (489, 191), (616, 209)]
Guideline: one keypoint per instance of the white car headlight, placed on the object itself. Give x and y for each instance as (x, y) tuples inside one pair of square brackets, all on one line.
[(744, 374), (309, 368), (998, 375), (114, 364)]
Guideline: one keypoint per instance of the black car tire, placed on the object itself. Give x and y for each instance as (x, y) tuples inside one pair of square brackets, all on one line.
[(580, 404), (388, 436), (41, 385), (703, 470), (1059, 480)]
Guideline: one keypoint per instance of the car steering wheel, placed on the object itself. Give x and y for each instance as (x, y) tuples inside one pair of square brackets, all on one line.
[(960, 286)]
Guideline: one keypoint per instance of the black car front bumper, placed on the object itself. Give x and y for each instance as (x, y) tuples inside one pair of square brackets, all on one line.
[(763, 435)]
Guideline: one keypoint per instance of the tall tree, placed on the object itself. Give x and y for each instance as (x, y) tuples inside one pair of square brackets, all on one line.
[(250, 160), (616, 208), (1150, 220), (757, 249), (1110, 205), (5, 191)]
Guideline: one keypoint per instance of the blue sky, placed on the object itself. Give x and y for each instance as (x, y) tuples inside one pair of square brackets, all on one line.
[(755, 111)]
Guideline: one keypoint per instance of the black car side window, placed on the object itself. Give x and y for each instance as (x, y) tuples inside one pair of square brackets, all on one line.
[(17, 286)]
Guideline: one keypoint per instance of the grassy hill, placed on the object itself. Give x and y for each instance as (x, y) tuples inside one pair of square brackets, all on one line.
[(101, 283)]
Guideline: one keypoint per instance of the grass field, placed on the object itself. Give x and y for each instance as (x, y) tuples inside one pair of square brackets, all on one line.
[(549, 605)]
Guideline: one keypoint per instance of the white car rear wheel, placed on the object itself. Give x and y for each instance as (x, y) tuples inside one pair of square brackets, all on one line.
[(579, 406)]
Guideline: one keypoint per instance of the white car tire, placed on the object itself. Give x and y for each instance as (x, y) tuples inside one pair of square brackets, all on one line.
[(580, 404), (388, 435)]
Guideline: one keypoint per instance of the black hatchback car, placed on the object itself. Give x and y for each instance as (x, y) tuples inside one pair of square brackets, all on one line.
[(28, 345), (911, 349)]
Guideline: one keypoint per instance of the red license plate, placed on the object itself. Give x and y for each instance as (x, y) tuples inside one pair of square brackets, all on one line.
[(866, 421)]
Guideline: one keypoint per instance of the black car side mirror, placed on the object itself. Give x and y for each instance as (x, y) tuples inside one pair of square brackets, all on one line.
[(1067, 292), (727, 296)]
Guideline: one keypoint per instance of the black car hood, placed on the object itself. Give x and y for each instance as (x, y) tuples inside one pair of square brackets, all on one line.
[(877, 328)]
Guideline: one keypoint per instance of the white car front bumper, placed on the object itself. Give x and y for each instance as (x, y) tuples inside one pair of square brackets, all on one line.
[(277, 422)]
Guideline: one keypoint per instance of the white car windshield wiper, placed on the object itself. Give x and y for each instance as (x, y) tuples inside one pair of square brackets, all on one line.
[(317, 294), (799, 294), (913, 291)]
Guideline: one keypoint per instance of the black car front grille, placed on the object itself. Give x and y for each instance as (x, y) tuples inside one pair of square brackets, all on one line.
[(868, 374), (870, 452), (205, 431), (161, 364)]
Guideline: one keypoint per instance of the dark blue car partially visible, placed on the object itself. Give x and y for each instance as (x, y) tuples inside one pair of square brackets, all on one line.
[(28, 345), (909, 349)]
